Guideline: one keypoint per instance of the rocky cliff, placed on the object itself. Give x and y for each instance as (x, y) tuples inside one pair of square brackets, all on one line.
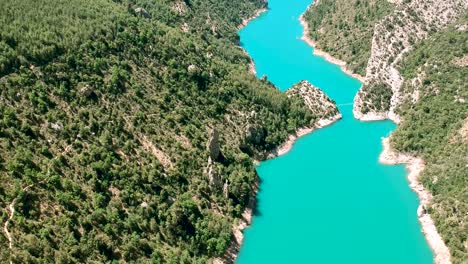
[(394, 36)]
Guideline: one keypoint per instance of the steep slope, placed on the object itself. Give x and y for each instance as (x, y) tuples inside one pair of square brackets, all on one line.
[(344, 28), (395, 35), (125, 129)]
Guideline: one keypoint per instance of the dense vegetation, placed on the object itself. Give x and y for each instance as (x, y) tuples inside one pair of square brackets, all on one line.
[(436, 129), (344, 28), (106, 110), (377, 97)]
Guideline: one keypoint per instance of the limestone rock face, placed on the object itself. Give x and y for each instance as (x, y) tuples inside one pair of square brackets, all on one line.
[(213, 145), (86, 90), (180, 7), (421, 210), (56, 126), (412, 21), (213, 176), (254, 134), (192, 68), (226, 190), (214, 149)]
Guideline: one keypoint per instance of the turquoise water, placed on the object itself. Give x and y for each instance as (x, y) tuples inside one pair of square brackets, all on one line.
[(328, 200)]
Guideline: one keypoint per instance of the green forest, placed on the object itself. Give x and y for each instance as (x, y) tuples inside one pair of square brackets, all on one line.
[(344, 28), (108, 106), (436, 129), (106, 112)]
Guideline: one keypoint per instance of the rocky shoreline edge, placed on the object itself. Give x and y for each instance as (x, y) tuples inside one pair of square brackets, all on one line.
[(388, 156), (244, 23), (287, 146), (305, 37), (319, 104), (415, 166), (246, 219)]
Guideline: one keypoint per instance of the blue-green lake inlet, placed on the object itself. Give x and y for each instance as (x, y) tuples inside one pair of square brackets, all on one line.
[(328, 200)]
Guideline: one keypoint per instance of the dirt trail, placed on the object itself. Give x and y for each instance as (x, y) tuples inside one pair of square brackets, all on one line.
[(11, 213), (11, 207)]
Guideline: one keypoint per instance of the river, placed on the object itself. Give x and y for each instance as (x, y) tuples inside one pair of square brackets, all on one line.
[(328, 200)]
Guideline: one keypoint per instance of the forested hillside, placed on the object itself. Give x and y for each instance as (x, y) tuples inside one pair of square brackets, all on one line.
[(128, 129), (344, 28), (419, 70), (436, 128)]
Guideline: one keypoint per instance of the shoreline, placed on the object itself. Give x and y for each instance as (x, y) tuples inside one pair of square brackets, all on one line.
[(244, 23), (305, 37), (300, 132), (372, 115), (246, 219), (376, 116), (414, 167), (247, 216), (252, 69), (237, 229)]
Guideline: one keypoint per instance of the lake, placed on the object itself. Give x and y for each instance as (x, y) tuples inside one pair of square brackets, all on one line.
[(328, 200)]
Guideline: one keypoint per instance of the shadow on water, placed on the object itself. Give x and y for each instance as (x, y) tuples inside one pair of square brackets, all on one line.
[(256, 206)]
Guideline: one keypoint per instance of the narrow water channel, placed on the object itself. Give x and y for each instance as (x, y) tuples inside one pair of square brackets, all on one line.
[(328, 200)]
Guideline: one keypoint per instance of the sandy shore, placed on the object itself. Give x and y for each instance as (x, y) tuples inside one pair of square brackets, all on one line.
[(415, 166), (305, 37)]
